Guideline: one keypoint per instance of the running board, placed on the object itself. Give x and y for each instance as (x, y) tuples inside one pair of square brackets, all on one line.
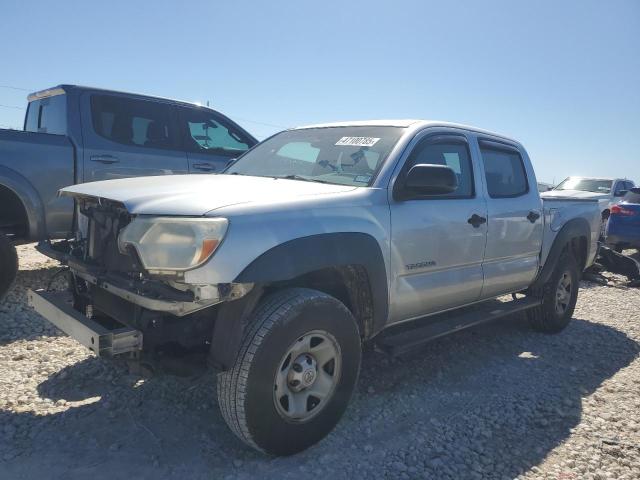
[(407, 337)]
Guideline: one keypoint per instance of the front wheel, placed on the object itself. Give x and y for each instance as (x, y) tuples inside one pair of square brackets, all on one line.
[(294, 374), (559, 296), (8, 265)]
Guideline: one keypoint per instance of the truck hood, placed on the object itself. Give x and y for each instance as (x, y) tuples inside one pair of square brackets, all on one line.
[(574, 194), (196, 195)]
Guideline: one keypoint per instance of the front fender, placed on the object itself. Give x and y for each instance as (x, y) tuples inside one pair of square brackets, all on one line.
[(30, 199), (307, 254)]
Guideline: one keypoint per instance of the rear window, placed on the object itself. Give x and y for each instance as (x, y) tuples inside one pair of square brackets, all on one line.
[(632, 196), (47, 115), (133, 122)]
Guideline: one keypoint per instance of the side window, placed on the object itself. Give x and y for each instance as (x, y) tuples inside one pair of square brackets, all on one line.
[(48, 115), (206, 132), (450, 152), (504, 171), (133, 122)]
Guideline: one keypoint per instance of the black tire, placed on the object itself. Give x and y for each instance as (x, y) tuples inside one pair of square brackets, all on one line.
[(546, 318), (8, 265), (246, 391)]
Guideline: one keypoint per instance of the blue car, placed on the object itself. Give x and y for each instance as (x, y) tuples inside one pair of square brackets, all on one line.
[(623, 228)]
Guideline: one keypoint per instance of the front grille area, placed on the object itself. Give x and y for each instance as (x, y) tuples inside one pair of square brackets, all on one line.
[(106, 220)]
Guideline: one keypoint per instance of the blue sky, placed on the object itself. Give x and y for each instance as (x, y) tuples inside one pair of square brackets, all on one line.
[(562, 77)]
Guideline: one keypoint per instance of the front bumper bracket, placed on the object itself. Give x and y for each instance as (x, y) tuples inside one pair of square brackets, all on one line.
[(57, 308)]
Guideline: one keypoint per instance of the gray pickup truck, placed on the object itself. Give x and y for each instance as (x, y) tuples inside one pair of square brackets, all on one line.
[(316, 241), (77, 134)]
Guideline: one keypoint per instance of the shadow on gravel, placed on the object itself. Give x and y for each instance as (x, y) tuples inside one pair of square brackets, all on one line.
[(490, 402), (18, 321)]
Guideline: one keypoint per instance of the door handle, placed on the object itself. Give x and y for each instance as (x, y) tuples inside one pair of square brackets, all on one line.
[(207, 167), (476, 220), (104, 159), (533, 216)]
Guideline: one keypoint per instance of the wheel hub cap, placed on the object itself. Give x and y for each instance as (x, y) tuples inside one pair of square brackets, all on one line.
[(563, 293), (303, 372), (307, 376)]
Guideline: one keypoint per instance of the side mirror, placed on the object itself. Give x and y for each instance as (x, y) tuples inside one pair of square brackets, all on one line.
[(428, 179)]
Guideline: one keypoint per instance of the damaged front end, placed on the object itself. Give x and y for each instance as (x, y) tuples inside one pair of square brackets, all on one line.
[(131, 287)]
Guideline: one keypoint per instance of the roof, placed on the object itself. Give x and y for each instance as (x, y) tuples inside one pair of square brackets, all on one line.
[(63, 88), (404, 123), (611, 179)]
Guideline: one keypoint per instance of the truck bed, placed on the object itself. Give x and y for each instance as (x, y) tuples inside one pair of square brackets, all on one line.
[(36, 166)]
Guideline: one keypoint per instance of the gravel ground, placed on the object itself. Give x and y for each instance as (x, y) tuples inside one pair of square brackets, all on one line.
[(497, 401)]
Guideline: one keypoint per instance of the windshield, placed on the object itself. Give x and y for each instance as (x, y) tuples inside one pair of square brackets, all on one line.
[(586, 185), (340, 155)]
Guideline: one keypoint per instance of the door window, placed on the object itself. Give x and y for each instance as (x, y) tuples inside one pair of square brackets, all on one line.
[(206, 132), (133, 122), (504, 171), (453, 153)]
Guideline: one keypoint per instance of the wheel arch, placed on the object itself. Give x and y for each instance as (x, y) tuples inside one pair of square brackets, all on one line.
[(352, 259), (573, 236), (348, 266), (16, 192)]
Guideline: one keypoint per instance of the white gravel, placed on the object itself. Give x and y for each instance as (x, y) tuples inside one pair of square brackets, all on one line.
[(497, 401)]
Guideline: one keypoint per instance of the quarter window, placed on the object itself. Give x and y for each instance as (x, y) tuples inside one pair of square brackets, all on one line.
[(451, 153), (48, 115), (504, 171), (133, 122)]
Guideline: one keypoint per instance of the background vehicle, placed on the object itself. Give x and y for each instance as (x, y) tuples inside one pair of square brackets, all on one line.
[(544, 187), (623, 228), (315, 241), (608, 191), (77, 134)]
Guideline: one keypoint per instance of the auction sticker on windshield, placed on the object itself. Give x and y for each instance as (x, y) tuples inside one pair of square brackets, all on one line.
[(358, 141)]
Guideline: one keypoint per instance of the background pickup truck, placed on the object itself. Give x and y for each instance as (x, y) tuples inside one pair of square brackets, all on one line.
[(315, 241), (77, 134)]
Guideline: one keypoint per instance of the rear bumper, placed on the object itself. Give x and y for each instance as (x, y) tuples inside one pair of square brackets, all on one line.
[(57, 308)]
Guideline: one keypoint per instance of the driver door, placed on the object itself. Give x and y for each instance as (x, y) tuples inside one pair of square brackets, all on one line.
[(436, 247)]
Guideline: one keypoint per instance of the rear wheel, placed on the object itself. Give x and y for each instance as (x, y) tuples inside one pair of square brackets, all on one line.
[(559, 296), (8, 265), (294, 374)]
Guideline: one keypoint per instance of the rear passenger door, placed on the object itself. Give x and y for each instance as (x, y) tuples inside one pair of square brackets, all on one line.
[(211, 140), (128, 137), (514, 235), (437, 245)]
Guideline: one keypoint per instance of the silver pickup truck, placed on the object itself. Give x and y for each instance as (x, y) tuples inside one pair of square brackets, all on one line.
[(316, 241)]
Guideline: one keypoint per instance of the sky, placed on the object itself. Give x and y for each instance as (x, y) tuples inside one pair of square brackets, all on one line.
[(562, 77)]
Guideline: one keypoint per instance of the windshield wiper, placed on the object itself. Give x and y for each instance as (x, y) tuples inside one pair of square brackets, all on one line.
[(300, 177)]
